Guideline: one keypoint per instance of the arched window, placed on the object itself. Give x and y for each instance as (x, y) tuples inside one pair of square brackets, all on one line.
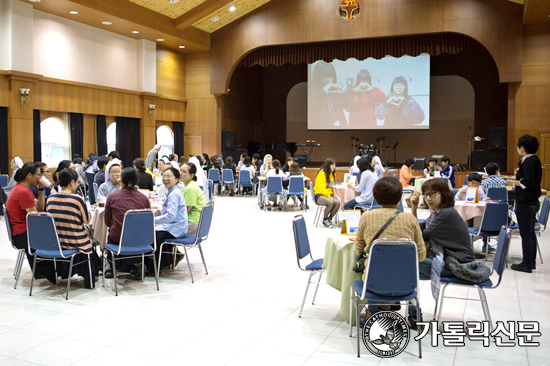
[(165, 138), (111, 137), (54, 136)]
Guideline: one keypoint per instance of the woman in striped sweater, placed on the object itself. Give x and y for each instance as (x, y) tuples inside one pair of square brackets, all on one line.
[(70, 214)]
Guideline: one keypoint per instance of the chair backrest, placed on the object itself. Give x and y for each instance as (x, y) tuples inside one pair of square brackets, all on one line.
[(8, 225), (41, 232), (455, 191), (214, 175), (465, 180), (390, 173), (274, 185), (205, 221), (96, 189), (374, 203), (392, 268), (296, 185), (497, 194), (495, 216), (210, 188), (138, 229), (301, 240), (244, 177), (400, 207), (543, 216), (227, 176), (358, 175), (311, 192), (4, 180), (501, 253)]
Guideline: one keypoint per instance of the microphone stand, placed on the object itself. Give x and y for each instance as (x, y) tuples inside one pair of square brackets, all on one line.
[(471, 143)]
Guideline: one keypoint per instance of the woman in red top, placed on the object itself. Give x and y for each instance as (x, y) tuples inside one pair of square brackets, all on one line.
[(366, 99), (20, 202)]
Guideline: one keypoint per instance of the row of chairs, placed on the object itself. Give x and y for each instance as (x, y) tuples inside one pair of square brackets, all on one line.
[(137, 240), (227, 178), (398, 285), (274, 188)]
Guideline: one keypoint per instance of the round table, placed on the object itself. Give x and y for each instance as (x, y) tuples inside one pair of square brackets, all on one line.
[(343, 193), (469, 210)]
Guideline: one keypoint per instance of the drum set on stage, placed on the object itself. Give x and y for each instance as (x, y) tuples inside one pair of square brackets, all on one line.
[(362, 149)]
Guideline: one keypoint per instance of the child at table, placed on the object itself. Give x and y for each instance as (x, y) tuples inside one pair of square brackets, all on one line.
[(447, 170), (493, 181), (432, 168), (474, 180)]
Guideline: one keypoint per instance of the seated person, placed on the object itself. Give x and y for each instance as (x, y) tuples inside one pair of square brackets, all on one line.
[(447, 170), (247, 165), (162, 164), (432, 168), (474, 180), (378, 168), (387, 191), (16, 163), (268, 159), (145, 179), (406, 174), (112, 185), (241, 161), (70, 215), (65, 164), (354, 168), (324, 181), (193, 195), (99, 177), (295, 171), (443, 221), (493, 180), (289, 161), (45, 173), (230, 166), (368, 179), (276, 171), (118, 203), (257, 162)]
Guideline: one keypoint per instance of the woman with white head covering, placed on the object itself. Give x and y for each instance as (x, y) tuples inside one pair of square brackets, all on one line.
[(16, 164), (266, 165), (152, 156), (109, 164), (202, 181), (355, 168)]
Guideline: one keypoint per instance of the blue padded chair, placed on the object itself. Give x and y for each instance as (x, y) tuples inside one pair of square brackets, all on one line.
[(214, 175), (465, 180), (358, 176), (210, 189), (244, 180), (320, 208), (194, 241), (296, 187), (542, 223), (301, 242), (455, 191), (96, 189), (497, 194), (137, 240), (227, 178), (400, 207), (494, 217), (20, 252), (275, 188), (44, 244), (4, 180), (382, 285), (503, 247), (390, 173)]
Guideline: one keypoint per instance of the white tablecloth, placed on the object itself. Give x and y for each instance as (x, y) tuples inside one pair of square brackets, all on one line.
[(469, 210)]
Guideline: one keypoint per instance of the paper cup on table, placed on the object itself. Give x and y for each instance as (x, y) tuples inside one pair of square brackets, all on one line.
[(101, 201)]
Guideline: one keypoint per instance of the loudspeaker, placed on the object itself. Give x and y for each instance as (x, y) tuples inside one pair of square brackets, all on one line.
[(301, 160), (419, 164), (497, 156), (228, 138), (497, 137), (229, 151), (479, 160)]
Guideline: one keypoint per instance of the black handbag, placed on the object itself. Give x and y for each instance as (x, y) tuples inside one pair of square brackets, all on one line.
[(362, 257)]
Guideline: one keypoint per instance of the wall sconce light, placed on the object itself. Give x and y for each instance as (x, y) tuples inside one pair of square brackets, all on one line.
[(25, 99), (151, 111)]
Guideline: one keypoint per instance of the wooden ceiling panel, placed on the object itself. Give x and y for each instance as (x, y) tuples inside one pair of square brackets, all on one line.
[(164, 7), (536, 12), (225, 16)]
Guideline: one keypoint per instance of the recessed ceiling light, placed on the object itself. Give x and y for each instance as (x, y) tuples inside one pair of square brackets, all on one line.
[(106, 23), (160, 39), (215, 19), (173, 1), (135, 32), (73, 12), (232, 8), (182, 46), (34, 1)]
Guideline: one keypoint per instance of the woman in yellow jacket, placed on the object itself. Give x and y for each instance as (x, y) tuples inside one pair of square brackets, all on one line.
[(324, 181)]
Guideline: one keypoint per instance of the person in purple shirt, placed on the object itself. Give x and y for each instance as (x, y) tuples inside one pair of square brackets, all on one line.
[(447, 170)]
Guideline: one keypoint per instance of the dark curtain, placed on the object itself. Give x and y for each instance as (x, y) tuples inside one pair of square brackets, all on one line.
[(37, 140), (178, 128), (101, 134), (128, 139), (433, 44), (4, 160), (77, 133)]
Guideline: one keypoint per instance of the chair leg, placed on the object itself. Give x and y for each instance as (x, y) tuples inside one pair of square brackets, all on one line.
[(441, 303), (485, 307), (21, 258), (188, 264), (538, 248), (143, 267), (351, 302), (113, 264), (305, 294), (160, 255), (418, 328), (92, 280), (55, 268), (17, 263), (32, 276), (69, 278), (317, 288), (156, 270), (103, 259), (203, 261), (357, 326)]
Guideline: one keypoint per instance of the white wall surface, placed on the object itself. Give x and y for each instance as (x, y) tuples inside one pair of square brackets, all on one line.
[(16, 28)]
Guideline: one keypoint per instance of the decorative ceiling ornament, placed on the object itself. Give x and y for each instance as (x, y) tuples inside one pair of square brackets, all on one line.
[(349, 9)]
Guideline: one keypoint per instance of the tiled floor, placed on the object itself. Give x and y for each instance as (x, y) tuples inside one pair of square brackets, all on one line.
[(245, 312)]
